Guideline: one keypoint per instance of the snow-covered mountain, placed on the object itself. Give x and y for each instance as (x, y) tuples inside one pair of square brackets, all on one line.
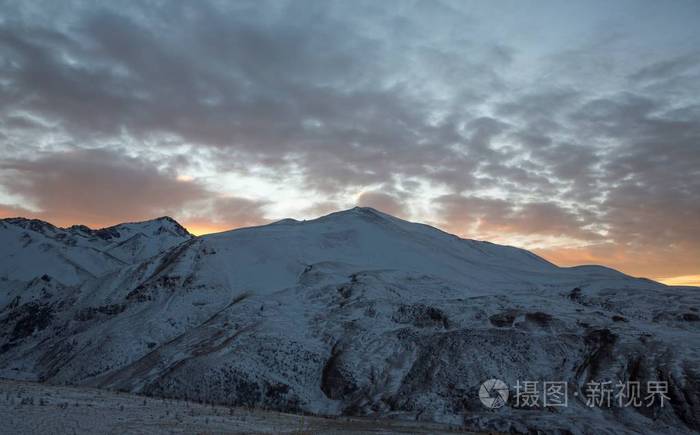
[(30, 248), (356, 313)]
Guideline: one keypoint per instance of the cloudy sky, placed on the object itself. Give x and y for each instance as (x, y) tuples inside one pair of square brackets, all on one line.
[(569, 128)]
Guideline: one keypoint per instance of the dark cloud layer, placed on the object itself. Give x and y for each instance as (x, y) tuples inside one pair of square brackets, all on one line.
[(430, 109), (489, 216), (102, 187), (94, 185), (382, 201)]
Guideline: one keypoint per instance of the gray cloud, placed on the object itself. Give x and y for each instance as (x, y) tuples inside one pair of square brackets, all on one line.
[(285, 79), (101, 187), (384, 202), (489, 216), (668, 68), (595, 137), (96, 185), (224, 213)]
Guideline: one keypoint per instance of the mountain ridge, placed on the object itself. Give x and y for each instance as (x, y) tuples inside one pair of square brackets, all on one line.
[(15, 220), (367, 211), (354, 313), (76, 252)]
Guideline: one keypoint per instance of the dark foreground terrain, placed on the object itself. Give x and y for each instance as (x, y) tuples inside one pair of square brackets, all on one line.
[(31, 408)]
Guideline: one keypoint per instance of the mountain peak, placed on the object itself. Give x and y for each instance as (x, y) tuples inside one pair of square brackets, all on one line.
[(362, 212), (162, 223), (29, 224), (166, 219), (175, 225)]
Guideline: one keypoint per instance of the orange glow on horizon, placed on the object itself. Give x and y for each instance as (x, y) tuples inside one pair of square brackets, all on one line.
[(691, 280), (617, 260), (203, 228)]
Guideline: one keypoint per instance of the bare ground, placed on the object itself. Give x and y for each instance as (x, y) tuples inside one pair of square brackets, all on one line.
[(29, 408)]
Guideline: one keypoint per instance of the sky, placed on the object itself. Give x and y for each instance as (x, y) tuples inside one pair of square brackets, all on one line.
[(568, 128)]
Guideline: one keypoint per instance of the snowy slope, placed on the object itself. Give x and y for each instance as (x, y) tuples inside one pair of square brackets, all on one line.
[(30, 248), (361, 313), (31, 408)]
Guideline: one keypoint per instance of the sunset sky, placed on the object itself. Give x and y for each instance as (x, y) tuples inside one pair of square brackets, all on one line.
[(568, 128)]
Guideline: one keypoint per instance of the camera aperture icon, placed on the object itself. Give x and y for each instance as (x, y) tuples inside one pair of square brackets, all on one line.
[(493, 393)]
